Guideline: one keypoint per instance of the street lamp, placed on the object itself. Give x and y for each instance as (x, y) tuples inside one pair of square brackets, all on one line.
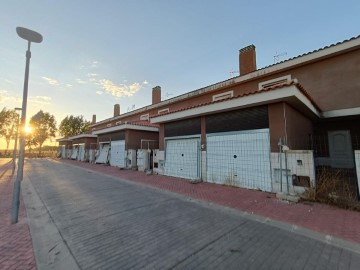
[(16, 138), (30, 36)]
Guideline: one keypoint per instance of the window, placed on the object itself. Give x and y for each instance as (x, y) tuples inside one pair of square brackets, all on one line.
[(144, 117), (224, 95), (269, 83), (163, 111)]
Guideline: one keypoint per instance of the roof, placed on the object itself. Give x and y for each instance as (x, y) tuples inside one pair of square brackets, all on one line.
[(135, 125), (143, 123), (268, 89), (312, 52), (326, 51), (83, 135)]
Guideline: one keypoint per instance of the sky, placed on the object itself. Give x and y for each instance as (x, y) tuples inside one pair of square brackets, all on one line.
[(96, 54)]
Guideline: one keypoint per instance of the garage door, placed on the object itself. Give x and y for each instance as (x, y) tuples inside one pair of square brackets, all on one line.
[(81, 155), (63, 151), (240, 159), (118, 154), (75, 152), (103, 153), (182, 158)]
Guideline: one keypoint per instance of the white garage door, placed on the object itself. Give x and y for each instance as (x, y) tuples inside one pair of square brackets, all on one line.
[(63, 151), (75, 152), (118, 154), (240, 159), (182, 158), (103, 153), (81, 155)]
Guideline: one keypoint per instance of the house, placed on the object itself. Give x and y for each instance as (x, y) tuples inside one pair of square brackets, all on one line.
[(79, 147), (271, 129), (310, 102), (119, 138)]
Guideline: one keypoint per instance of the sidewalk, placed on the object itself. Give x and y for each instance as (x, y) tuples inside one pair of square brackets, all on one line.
[(16, 250), (321, 218)]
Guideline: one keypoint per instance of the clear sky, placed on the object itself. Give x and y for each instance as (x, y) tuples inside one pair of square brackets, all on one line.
[(99, 53)]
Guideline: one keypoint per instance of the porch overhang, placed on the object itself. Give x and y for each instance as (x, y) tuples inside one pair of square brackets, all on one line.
[(290, 94), (124, 127)]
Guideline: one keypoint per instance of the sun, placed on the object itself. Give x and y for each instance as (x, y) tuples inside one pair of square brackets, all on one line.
[(28, 129)]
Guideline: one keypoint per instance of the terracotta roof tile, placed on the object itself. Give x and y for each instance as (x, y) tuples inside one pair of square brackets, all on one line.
[(314, 51), (143, 123)]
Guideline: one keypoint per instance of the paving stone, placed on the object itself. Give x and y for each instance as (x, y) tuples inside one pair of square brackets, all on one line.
[(109, 223)]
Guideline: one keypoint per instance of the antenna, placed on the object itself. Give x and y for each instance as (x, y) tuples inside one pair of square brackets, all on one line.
[(132, 108), (234, 73), (277, 56), (167, 95)]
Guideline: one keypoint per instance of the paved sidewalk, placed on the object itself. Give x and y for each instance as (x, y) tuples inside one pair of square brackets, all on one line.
[(16, 250), (325, 219)]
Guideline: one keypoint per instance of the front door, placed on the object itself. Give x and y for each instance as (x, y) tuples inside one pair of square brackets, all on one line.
[(340, 150)]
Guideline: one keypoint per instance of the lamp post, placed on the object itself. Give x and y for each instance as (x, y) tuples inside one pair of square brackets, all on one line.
[(30, 36), (16, 138)]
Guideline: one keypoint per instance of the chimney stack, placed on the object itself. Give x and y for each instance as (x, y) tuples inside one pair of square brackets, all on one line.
[(116, 110), (247, 60), (156, 95), (93, 119)]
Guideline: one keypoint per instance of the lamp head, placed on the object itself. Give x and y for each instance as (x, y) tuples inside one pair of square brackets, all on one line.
[(29, 35)]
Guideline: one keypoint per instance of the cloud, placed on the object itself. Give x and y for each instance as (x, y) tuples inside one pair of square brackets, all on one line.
[(99, 92), (42, 100), (94, 64), (92, 74), (145, 82), (68, 85), (120, 90), (5, 97), (80, 81), (51, 81)]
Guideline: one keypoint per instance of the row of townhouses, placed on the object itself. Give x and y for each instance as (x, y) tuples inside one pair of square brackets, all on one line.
[(273, 129)]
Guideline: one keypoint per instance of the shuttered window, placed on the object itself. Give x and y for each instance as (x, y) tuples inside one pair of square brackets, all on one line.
[(245, 119), (184, 127)]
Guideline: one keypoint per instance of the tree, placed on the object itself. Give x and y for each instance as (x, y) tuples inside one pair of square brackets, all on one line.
[(73, 125), (8, 123), (43, 127)]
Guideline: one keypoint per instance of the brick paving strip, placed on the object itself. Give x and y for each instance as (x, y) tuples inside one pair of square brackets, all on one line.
[(325, 219), (16, 249)]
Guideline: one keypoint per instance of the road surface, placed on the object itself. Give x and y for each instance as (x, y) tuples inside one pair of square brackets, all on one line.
[(109, 223)]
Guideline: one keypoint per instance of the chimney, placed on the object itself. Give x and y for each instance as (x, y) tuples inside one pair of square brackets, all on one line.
[(247, 59), (156, 95), (116, 110), (93, 119)]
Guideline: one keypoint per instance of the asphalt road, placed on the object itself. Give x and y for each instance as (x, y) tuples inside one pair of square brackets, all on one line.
[(110, 223)]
